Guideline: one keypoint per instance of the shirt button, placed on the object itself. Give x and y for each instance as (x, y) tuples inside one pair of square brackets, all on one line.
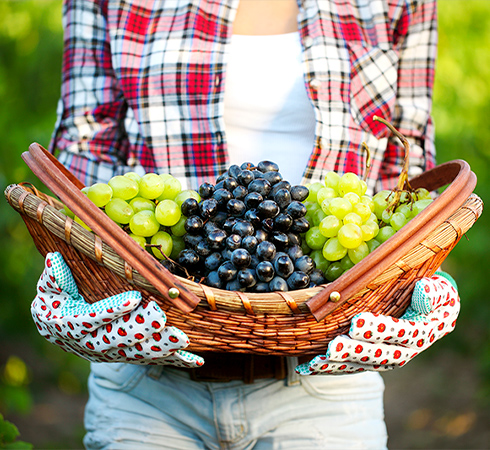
[(308, 41), (217, 80), (315, 83)]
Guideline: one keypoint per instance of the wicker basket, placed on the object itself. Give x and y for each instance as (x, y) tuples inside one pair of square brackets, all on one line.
[(296, 323)]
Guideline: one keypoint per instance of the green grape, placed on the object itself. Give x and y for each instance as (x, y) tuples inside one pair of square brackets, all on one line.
[(67, 211), (314, 239), (165, 176), (398, 220), (422, 194), (100, 194), (324, 193), (364, 187), (304, 246), (82, 223), (420, 205), (358, 253), (369, 230), (362, 210), (354, 218), (171, 188), (366, 200), (309, 217), (332, 180), (385, 233), (381, 202), (320, 261), (178, 245), (140, 204), (325, 205), (405, 197), (346, 263), (405, 210), (330, 226), (151, 186), (311, 207), (164, 242), (123, 187), (313, 189), (318, 217), (144, 224), (386, 216), (349, 182), (352, 197), (134, 176), (350, 236), (184, 195), (339, 207), (119, 211), (373, 244), (139, 239), (333, 250), (179, 228), (168, 213), (334, 271)]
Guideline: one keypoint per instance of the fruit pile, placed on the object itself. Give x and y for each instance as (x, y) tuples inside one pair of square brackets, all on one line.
[(148, 207), (347, 224), (245, 232)]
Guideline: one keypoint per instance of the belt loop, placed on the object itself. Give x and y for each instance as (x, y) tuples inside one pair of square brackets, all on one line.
[(293, 378), (154, 372), (280, 368), (248, 370)]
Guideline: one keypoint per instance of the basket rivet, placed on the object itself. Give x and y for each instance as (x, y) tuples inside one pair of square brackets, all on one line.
[(173, 292), (334, 296)]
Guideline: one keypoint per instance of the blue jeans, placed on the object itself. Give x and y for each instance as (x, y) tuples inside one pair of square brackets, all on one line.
[(154, 407)]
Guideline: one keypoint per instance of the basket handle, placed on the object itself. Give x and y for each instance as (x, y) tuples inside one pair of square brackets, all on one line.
[(461, 182), (67, 187)]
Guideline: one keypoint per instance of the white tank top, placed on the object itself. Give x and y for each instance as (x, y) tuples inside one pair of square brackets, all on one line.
[(267, 113)]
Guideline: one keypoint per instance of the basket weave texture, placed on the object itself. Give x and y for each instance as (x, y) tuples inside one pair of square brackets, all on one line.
[(285, 324)]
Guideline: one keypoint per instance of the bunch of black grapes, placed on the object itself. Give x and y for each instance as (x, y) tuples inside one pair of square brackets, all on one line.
[(244, 234)]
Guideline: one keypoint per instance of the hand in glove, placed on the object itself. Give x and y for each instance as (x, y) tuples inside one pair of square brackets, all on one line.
[(379, 343), (115, 329)]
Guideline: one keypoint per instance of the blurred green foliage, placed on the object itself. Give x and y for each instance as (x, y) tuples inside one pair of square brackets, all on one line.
[(461, 112), (9, 434), (30, 61)]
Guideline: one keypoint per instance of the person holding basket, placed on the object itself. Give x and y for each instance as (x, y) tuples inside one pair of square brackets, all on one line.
[(188, 88)]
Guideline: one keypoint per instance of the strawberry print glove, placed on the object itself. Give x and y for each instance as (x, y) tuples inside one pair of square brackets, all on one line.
[(116, 329), (379, 343)]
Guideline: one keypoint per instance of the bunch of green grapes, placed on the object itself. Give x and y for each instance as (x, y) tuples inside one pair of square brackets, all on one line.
[(147, 207), (347, 224)]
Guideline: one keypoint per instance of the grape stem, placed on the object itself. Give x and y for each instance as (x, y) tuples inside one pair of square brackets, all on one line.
[(368, 160), (159, 247), (403, 185)]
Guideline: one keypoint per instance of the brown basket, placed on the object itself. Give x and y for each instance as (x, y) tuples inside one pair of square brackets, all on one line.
[(301, 322)]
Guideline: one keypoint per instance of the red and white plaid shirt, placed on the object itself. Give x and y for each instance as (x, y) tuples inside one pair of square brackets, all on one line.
[(143, 84)]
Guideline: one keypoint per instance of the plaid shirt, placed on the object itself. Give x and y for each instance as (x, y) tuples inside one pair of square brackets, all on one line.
[(143, 86)]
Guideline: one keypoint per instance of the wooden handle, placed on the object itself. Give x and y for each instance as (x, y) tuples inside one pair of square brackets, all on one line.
[(461, 182), (62, 183)]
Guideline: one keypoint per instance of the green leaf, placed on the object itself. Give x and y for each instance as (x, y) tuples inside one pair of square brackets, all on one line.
[(8, 431)]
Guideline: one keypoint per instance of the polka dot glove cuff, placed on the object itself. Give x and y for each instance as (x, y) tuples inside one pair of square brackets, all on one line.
[(115, 329), (377, 342)]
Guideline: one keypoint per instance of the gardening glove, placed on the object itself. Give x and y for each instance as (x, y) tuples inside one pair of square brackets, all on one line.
[(116, 329), (378, 343)]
